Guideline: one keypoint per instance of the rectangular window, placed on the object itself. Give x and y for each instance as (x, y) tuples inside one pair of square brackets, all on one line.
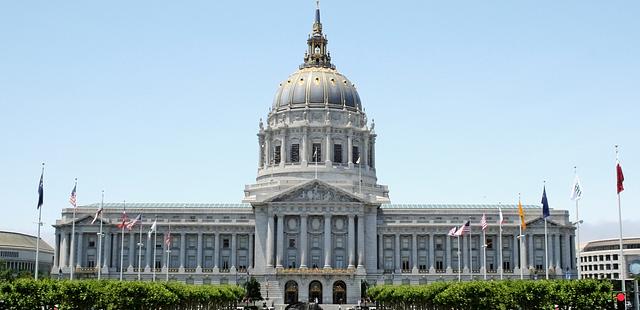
[(489, 243), (292, 243), (355, 154), (295, 153), (337, 153), (405, 243), (276, 155), (243, 241), (339, 261), (316, 152), (225, 243)]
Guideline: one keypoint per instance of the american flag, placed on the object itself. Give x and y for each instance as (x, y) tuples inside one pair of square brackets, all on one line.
[(464, 229), (483, 222), (73, 199), (124, 219), (167, 238), (452, 232), (134, 222)]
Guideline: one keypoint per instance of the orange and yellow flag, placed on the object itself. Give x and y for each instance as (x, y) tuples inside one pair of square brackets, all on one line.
[(521, 212)]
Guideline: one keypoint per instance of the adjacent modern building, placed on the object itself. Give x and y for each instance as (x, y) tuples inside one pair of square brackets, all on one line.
[(18, 253), (600, 259), (316, 225)]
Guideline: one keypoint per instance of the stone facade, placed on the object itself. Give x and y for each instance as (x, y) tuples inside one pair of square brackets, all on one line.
[(316, 225)]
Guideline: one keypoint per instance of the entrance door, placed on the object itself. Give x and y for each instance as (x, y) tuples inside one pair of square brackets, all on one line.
[(339, 292), (291, 292), (315, 292)]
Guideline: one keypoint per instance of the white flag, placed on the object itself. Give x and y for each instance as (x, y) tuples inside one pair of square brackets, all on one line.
[(501, 217), (358, 160), (153, 228), (576, 190)]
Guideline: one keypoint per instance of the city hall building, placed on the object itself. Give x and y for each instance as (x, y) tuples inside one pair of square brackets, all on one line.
[(316, 225)]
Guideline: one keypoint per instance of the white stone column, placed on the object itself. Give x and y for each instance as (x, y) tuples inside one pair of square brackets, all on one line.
[(283, 149), (132, 249), (414, 251), (304, 147), (328, 148), (373, 151), (63, 251), (530, 248), (350, 148), (270, 240), (567, 252), (267, 150), (106, 256), (327, 241), (556, 252), (432, 251), (365, 151), (234, 250), (447, 252), (56, 254), (515, 253), (183, 248), (199, 246), (216, 251), (251, 250), (280, 241), (380, 252), (303, 241), (465, 251), (397, 252), (351, 241), (149, 252), (79, 249), (361, 223)]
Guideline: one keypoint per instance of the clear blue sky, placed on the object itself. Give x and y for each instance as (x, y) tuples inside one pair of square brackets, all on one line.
[(474, 101)]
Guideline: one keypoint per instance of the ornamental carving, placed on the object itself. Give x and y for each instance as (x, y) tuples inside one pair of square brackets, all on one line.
[(316, 192)]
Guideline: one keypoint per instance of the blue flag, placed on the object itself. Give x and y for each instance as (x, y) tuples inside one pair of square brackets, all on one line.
[(545, 203), (41, 190)]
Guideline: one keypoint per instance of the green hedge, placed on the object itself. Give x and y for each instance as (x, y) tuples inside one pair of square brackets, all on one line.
[(488, 295), (92, 294)]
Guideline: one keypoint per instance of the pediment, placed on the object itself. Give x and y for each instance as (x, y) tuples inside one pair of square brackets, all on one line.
[(539, 222), (315, 191)]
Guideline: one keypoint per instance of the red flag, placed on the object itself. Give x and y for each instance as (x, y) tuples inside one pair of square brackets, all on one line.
[(620, 177)]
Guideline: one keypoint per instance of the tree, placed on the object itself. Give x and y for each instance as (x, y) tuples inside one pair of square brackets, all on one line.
[(252, 290)]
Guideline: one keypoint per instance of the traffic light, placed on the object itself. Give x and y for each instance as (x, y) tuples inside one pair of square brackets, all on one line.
[(620, 301)]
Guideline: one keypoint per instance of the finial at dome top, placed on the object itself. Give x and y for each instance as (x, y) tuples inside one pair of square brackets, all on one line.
[(317, 54)]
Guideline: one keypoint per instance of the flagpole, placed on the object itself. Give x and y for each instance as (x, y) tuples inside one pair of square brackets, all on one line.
[(470, 252), (459, 266), (577, 226), (622, 260), (124, 203), (501, 267), (360, 171), (39, 225), (155, 241), (521, 255), (168, 244), (484, 253), (73, 237), (546, 251), (100, 236), (140, 252)]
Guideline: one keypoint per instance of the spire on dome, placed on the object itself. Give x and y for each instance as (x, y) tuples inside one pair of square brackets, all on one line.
[(317, 54)]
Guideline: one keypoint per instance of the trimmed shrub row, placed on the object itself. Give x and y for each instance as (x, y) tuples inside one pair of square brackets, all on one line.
[(93, 294), (489, 295)]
